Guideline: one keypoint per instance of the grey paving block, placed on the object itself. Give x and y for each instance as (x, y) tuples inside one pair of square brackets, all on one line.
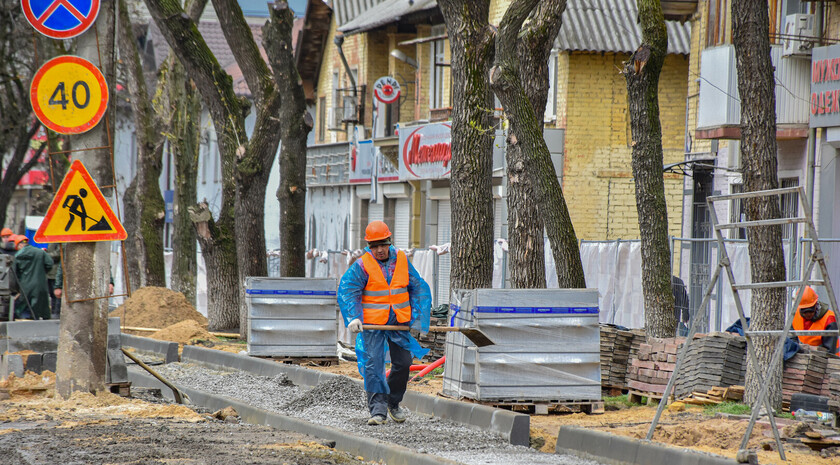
[(48, 361), (11, 364), (32, 362), (117, 370)]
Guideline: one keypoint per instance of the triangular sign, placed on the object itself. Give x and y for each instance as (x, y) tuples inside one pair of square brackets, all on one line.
[(79, 212)]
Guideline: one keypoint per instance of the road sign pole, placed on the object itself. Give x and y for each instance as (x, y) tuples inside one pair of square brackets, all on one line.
[(82, 360)]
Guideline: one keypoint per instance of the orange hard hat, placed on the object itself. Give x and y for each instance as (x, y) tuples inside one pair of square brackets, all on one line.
[(809, 298), (20, 238), (6, 232), (377, 231)]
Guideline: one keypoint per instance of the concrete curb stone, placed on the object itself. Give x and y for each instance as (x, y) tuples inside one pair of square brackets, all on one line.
[(612, 449), (370, 449), (49, 361), (513, 426), (33, 362), (165, 349), (11, 363)]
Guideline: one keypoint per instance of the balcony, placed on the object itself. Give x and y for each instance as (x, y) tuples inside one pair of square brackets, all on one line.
[(720, 109)]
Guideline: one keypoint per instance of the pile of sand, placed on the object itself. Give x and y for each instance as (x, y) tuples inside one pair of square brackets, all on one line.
[(183, 332), (156, 307)]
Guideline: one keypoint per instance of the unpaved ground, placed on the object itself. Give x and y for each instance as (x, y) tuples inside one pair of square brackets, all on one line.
[(38, 428)]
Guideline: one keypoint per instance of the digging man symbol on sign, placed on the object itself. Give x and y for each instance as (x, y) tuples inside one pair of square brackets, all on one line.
[(77, 208)]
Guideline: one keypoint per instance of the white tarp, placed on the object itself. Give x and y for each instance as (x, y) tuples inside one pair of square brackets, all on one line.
[(615, 269)]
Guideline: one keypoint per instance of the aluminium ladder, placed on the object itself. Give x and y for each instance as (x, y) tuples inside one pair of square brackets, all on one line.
[(816, 258)]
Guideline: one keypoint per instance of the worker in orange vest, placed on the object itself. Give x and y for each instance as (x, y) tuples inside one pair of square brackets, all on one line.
[(383, 288), (814, 316)]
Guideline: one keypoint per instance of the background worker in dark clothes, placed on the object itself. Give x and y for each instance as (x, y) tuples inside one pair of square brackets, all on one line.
[(31, 267), (383, 288), (814, 316), (7, 243), (681, 309)]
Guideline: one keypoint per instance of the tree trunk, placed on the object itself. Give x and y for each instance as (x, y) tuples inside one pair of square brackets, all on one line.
[(756, 86), (84, 323), (471, 40), (642, 72), (143, 199), (185, 146), (296, 123), (216, 238), (527, 131), (525, 231)]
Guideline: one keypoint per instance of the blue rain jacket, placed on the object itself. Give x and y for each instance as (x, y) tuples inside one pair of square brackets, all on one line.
[(370, 344)]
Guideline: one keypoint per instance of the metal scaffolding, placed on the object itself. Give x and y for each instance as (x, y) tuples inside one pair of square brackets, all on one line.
[(816, 258)]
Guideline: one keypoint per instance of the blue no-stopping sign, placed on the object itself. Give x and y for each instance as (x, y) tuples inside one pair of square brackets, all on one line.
[(60, 19)]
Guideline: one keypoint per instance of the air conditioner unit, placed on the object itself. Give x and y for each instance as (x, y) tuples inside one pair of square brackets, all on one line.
[(799, 35), (336, 114)]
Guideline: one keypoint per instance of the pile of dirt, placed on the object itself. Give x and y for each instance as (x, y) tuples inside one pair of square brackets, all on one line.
[(156, 307), (182, 332)]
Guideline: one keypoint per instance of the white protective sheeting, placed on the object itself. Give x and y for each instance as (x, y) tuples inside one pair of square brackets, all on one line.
[(615, 268), (424, 263)]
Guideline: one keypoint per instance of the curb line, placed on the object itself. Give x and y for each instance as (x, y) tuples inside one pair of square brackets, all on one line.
[(516, 427), (165, 349), (370, 449), (612, 449)]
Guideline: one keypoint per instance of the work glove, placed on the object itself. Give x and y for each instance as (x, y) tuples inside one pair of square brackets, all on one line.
[(355, 326)]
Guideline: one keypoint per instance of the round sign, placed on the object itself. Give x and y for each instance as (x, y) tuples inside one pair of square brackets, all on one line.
[(60, 19), (386, 89), (69, 95)]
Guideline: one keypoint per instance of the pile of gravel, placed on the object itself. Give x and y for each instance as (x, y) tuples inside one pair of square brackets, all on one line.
[(341, 403)]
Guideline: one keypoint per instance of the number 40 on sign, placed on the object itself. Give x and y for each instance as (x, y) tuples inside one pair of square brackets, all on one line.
[(69, 95)]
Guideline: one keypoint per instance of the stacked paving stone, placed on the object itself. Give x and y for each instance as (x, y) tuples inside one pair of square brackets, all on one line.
[(435, 342), (834, 391), (650, 371), (713, 360), (803, 373), (832, 366), (18, 364), (615, 352)]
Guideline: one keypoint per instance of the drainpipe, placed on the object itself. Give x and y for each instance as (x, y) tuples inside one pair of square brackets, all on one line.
[(339, 41), (811, 169)]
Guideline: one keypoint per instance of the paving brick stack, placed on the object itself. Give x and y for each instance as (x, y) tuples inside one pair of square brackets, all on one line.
[(803, 373), (607, 339), (834, 391), (653, 365), (832, 365), (713, 360), (435, 342)]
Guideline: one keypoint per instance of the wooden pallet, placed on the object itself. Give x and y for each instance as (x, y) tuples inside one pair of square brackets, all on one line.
[(122, 389), (613, 390), (306, 361), (636, 397), (544, 407)]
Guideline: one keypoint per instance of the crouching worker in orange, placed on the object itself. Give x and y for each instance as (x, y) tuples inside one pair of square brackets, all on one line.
[(383, 288), (814, 316)]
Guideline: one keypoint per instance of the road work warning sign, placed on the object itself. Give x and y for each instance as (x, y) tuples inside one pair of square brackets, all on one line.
[(79, 212)]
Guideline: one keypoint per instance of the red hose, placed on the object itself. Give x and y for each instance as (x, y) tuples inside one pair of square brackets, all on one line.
[(412, 368), (429, 368)]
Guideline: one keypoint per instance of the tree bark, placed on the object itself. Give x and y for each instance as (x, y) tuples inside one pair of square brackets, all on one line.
[(296, 123), (526, 227), (84, 323), (527, 131), (216, 237), (756, 87), (471, 41), (185, 143), (143, 199), (641, 73)]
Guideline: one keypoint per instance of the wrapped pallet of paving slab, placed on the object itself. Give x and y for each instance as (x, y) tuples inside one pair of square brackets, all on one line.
[(547, 346), (292, 317)]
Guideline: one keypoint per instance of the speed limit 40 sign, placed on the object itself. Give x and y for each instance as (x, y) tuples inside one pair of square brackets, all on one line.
[(69, 95)]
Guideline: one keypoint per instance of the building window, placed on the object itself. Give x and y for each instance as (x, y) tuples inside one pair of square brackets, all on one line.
[(322, 119), (716, 25), (436, 76)]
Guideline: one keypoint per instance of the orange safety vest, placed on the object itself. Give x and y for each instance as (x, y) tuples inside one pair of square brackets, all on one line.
[(379, 298), (819, 325)]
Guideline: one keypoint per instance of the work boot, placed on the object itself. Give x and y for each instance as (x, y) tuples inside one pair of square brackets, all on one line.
[(378, 420), (398, 414)]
